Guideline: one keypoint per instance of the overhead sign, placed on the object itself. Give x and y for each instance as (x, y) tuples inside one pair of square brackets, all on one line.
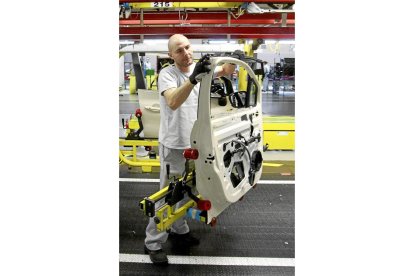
[(161, 4)]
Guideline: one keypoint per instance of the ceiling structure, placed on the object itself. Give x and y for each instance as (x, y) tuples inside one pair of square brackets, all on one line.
[(141, 20)]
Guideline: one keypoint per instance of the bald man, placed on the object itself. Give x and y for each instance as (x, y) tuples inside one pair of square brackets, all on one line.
[(178, 86)]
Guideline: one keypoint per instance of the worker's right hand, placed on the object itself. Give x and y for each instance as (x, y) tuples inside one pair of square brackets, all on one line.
[(201, 69)]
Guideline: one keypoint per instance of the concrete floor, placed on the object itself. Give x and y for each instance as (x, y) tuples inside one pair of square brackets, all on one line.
[(259, 228)]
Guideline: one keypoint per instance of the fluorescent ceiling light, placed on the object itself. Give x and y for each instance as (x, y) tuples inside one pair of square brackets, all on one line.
[(155, 41), (127, 42), (286, 42), (221, 42), (274, 41)]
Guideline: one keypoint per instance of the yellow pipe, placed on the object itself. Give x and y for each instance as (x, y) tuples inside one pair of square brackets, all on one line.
[(134, 154), (146, 142), (146, 163), (272, 165), (132, 84), (169, 5), (242, 72)]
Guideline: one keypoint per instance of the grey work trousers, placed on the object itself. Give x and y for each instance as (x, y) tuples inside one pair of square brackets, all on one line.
[(265, 84), (175, 158)]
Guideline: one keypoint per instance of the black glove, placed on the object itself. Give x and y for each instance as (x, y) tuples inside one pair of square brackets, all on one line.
[(238, 54), (202, 68)]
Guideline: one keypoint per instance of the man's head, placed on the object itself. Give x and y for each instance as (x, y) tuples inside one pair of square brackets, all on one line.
[(179, 49)]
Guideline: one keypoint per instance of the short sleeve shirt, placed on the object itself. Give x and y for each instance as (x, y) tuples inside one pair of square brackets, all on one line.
[(176, 125)]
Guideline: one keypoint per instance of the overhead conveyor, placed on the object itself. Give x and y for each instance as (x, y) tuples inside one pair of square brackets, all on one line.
[(229, 20), (208, 1), (207, 18), (239, 32)]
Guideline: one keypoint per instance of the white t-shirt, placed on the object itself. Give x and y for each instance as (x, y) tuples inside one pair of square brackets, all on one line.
[(176, 125)]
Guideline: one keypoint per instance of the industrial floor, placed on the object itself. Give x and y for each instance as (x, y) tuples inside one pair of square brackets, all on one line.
[(255, 236)]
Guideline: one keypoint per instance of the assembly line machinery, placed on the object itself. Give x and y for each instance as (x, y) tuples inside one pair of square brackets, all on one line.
[(225, 158)]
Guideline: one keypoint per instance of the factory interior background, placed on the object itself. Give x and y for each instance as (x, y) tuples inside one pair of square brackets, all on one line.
[(60, 195)]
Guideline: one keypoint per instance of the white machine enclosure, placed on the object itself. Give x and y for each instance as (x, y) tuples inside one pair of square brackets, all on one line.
[(216, 126)]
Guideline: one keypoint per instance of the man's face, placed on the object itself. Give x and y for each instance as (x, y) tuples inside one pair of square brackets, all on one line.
[(182, 53)]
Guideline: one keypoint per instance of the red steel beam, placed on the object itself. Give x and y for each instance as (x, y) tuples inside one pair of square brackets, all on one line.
[(256, 1), (206, 21), (208, 16), (206, 30), (217, 36)]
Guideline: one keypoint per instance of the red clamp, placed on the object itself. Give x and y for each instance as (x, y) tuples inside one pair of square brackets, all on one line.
[(204, 205), (190, 154)]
